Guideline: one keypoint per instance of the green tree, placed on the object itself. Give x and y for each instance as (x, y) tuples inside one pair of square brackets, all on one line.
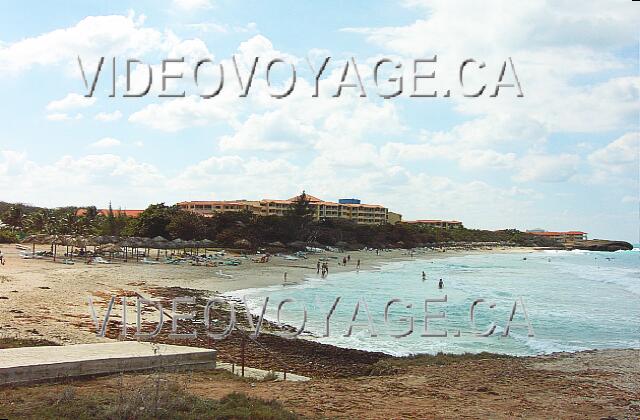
[(187, 225), (299, 216), (39, 221), (153, 221), (14, 216)]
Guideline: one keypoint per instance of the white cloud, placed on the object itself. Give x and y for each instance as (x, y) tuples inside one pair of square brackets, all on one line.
[(108, 116), (547, 168), (271, 131), (190, 5), (69, 102), (553, 46), (61, 116), (92, 37), (69, 180), (106, 143), (619, 153), (58, 117), (221, 28), (180, 113), (620, 158)]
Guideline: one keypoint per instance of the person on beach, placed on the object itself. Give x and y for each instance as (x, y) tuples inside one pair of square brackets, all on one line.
[(1, 257), (344, 260), (318, 267), (440, 284), (285, 277), (358, 264), (424, 276), (348, 258)]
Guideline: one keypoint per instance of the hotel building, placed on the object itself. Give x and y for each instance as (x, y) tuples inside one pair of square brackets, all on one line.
[(440, 224), (562, 237), (348, 208)]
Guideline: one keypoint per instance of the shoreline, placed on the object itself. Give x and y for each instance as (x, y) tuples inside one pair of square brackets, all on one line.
[(40, 299)]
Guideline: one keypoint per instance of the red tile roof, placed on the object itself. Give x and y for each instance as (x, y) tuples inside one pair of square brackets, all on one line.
[(105, 212), (571, 232)]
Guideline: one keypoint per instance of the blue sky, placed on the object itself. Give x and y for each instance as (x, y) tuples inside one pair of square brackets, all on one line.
[(564, 156)]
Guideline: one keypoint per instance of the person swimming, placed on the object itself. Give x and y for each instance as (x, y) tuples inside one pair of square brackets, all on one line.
[(424, 276), (440, 284)]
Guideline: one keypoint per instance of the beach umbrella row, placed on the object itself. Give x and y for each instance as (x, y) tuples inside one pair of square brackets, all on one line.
[(113, 244)]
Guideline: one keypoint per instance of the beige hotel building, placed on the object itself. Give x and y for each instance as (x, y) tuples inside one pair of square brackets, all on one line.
[(350, 208)]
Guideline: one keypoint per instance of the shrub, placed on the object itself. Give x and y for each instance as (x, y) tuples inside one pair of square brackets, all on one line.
[(7, 237)]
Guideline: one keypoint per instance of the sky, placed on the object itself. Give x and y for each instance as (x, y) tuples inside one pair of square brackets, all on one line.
[(561, 156)]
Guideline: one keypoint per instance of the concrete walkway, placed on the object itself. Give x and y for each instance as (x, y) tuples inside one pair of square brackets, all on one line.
[(259, 374), (33, 364)]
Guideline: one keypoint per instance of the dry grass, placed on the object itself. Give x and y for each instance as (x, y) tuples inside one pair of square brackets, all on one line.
[(156, 398)]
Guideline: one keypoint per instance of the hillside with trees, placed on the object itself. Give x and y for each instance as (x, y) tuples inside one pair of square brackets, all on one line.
[(295, 229)]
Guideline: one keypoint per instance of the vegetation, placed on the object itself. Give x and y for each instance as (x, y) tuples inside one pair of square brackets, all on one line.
[(295, 229), (157, 399)]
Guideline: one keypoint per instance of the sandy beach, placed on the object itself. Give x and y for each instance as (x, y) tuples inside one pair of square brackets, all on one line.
[(43, 299)]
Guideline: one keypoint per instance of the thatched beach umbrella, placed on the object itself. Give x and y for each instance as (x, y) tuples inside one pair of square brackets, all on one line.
[(39, 239), (242, 243), (297, 245), (159, 243), (111, 249), (54, 240), (177, 244), (138, 243), (190, 245), (80, 242), (76, 242), (128, 243), (205, 244)]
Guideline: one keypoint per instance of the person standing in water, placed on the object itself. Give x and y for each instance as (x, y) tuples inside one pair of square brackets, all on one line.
[(318, 267), (358, 264), (440, 284), (424, 276)]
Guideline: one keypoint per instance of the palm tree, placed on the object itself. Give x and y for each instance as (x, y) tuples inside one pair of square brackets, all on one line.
[(37, 222), (14, 217)]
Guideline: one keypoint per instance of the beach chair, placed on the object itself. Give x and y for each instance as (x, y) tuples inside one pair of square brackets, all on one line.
[(148, 261), (100, 260), (219, 273), (68, 262)]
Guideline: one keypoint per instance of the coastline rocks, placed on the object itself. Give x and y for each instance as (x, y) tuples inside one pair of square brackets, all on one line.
[(601, 245)]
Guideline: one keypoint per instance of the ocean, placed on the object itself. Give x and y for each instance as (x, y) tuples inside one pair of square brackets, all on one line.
[(574, 300)]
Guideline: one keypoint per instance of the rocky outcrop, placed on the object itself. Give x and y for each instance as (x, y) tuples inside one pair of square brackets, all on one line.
[(600, 245)]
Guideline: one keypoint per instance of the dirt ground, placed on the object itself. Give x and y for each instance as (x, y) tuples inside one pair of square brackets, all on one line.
[(598, 384)]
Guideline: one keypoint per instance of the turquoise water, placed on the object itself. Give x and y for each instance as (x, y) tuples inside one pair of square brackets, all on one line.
[(575, 300)]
